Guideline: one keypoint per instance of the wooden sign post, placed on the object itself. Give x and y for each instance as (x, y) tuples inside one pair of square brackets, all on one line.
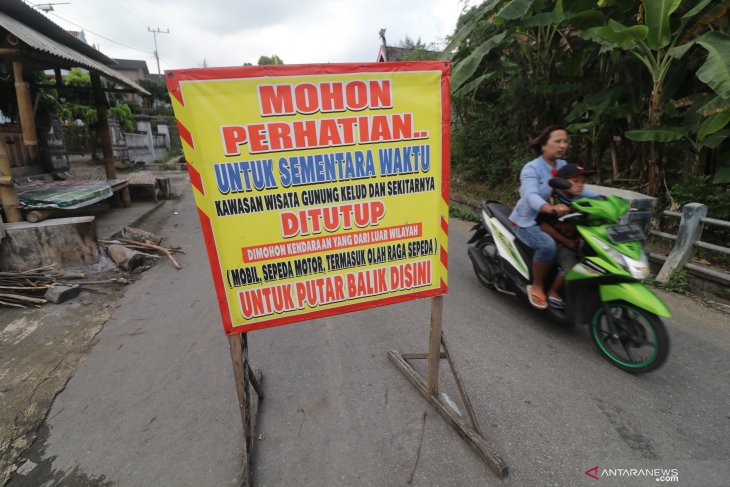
[(471, 433), (246, 379)]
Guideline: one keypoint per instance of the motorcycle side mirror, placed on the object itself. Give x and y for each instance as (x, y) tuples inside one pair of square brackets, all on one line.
[(559, 183)]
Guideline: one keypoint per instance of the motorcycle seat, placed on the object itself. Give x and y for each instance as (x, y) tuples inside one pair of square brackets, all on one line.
[(500, 211)]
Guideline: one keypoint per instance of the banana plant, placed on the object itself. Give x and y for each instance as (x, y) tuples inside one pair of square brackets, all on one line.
[(699, 133), (657, 46), (530, 27)]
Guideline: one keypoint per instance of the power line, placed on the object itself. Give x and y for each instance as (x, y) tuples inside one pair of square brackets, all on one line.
[(99, 35), (130, 11), (133, 8)]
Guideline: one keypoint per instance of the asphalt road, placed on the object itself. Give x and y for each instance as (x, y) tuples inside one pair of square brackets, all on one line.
[(154, 402)]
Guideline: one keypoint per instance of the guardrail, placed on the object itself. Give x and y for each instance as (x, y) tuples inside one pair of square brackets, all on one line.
[(692, 221)]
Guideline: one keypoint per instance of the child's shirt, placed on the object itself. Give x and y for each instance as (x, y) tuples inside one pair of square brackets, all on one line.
[(568, 230)]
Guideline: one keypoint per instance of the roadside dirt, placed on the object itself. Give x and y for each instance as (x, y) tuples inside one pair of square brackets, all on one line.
[(39, 351)]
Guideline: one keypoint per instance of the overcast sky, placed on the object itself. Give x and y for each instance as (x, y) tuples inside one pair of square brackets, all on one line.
[(232, 32)]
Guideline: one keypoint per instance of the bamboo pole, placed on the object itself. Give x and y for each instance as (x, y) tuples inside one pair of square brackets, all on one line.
[(8, 195), (25, 108)]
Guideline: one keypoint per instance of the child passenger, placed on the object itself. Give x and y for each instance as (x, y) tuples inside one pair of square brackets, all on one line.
[(565, 234)]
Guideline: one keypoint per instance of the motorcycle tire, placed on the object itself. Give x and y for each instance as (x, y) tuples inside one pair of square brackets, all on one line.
[(485, 280), (635, 330)]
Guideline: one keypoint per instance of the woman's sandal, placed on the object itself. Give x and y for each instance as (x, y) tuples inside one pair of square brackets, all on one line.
[(537, 300), (556, 302)]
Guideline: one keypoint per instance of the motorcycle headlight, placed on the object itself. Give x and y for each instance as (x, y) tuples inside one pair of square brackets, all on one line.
[(638, 268)]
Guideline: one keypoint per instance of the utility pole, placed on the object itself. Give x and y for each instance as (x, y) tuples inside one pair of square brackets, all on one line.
[(154, 34)]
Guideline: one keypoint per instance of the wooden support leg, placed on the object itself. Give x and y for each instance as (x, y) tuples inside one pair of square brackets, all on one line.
[(428, 388), (248, 405), (475, 440), (126, 199), (434, 345)]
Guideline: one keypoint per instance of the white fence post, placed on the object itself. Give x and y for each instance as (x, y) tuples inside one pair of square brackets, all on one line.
[(690, 231)]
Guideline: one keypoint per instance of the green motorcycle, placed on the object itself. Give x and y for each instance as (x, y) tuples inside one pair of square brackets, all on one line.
[(603, 290)]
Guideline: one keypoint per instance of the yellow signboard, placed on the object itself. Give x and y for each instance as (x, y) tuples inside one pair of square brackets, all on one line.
[(321, 189)]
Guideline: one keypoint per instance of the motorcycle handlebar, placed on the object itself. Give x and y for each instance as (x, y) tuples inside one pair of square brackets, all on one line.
[(569, 215)]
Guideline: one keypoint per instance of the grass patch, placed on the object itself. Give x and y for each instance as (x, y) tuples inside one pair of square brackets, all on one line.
[(677, 283), (463, 214)]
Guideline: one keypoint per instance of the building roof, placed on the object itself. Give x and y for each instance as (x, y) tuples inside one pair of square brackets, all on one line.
[(40, 34), (392, 53), (132, 65)]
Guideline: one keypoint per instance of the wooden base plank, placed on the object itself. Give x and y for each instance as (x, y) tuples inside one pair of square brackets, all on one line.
[(471, 436)]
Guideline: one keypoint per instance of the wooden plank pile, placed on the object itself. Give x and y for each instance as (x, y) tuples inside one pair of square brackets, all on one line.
[(136, 245), (22, 289)]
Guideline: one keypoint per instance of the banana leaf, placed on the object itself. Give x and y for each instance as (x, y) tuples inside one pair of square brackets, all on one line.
[(464, 32), (715, 105), (713, 124), (666, 134), (656, 16), (587, 19), (475, 83), (545, 19), (713, 141), (515, 9), (696, 9), (464, 69), (715, 72), (618, 35)]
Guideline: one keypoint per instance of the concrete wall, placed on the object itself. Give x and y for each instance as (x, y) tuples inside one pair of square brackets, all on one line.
[(642, 205), (145, 145), (68, 242)]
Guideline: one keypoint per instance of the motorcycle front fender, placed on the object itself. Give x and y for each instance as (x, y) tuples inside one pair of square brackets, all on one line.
[(637, 294)]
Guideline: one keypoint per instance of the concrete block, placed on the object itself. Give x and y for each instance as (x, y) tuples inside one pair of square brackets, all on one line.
[(641, 205), (59, 294), (68, 242)]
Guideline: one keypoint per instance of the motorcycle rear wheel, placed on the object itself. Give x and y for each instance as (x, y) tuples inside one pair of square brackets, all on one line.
[(638, 342), (485, 280)]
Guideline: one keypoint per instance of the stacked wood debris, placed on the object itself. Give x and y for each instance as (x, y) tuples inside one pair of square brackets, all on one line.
[(21, 289), (130, 251)]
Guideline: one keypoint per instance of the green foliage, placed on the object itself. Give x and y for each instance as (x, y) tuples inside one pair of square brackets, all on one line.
[(123, 113), (158, 91), (268, 61), (419, 50), (632, 78), (77, 77), (463, 214), (677, 282), (700, 189)]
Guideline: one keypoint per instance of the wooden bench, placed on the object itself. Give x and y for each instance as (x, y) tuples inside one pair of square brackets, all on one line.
[(151, 183)]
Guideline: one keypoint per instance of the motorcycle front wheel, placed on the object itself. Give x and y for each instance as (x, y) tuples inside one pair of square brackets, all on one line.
[(629, 337)]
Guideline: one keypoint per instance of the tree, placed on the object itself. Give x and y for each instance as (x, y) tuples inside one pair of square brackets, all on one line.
[(158, 91), (268, 61), (418, 50), (609, 68)]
